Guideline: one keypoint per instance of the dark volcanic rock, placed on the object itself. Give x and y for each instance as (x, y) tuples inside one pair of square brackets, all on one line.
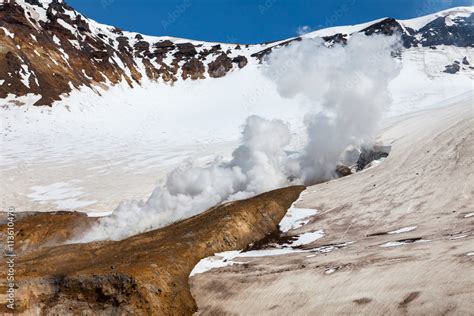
[(164, 44), (34, 2), (219, 67), (460, 33), (338, 38), (368, 155), (142, 45), (465, 61), (387, 27), (390, 27), (261, 54), (109, 55), (241, 61), (452, 69), (185, 50), (193, 69)]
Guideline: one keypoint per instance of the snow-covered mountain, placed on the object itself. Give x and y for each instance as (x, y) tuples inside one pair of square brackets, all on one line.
[(49, 49), (127, 108)]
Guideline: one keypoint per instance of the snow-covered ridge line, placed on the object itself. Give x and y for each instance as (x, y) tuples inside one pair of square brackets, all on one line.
[(88, 54)]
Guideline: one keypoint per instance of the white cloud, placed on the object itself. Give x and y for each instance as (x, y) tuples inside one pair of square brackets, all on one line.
[(301, 30)]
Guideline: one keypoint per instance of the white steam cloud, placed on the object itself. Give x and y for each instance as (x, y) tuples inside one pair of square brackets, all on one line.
[(349, 84)]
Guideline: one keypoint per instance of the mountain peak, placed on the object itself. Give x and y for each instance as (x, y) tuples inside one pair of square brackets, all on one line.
[(50, 49)]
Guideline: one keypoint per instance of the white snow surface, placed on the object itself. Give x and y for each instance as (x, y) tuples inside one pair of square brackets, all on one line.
[(402, 230), (134, 136), (401, 243), (296, 218), (291, 220), (120, 143), (449, 15), (224, 259)]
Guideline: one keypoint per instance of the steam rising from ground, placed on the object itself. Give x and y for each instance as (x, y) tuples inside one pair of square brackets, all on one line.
[(348, 84)]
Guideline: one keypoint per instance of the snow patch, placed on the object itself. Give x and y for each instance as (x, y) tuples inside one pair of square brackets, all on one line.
[(64, 195), (99, 214), (403, 230), (330, 271), (219, 260), (224, 259), (7, 32), (307, 238), (296, 218), (56, 40), (401, 243)]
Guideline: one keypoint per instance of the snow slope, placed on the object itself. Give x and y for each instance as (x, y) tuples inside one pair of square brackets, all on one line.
[(117, 144), (405, 224)]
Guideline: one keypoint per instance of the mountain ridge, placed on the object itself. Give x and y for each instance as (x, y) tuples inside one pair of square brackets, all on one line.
[(50, 49)]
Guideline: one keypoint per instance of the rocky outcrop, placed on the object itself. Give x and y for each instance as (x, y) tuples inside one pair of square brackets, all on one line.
[(52, 54), (368, 155), (38, 230), (219, 67), (453, 68), (146, 274), (343, 171), (193, 69), (241, 61)]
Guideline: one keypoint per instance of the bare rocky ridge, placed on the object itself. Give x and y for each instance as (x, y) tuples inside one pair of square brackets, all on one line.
[(48, 49), (65, 50), (146, 274)]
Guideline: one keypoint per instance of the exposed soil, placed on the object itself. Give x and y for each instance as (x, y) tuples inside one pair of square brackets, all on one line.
[(146, 274)]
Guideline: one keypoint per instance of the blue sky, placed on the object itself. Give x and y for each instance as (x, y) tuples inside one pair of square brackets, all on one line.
[(247, 21)]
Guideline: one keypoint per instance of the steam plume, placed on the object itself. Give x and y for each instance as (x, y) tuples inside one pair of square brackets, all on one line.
[(348, 85)]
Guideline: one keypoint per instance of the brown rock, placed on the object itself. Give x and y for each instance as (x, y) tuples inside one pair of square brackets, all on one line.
[(150, 275), (219, 67), (241, 61), (343, 171), (193, 69)]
